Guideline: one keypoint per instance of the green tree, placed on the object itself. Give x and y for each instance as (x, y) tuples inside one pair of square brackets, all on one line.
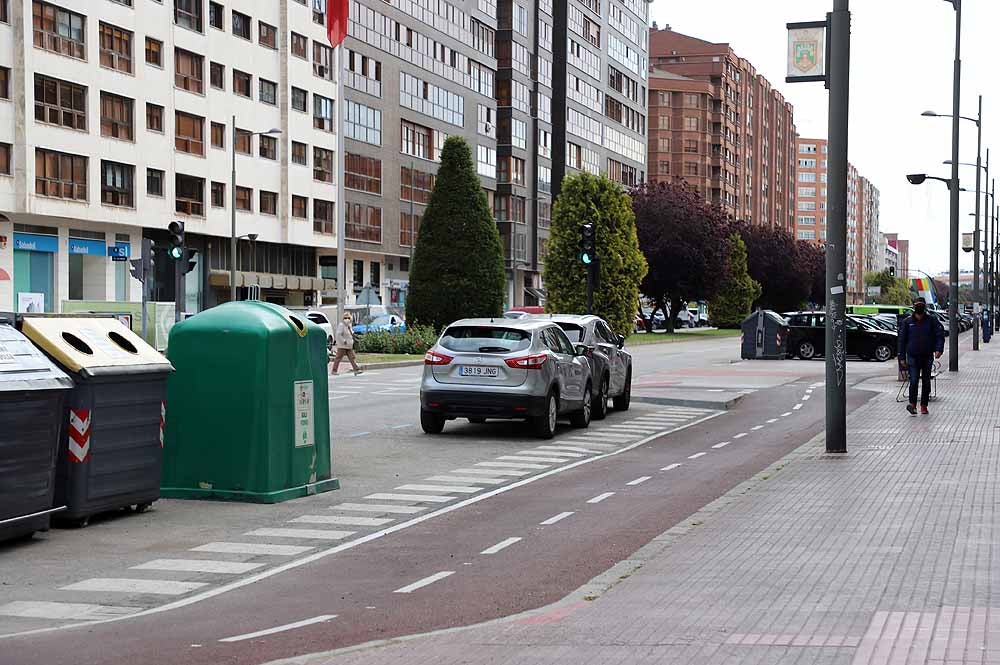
[(895, 290), (738, 292), (587, 198), (458, 265)]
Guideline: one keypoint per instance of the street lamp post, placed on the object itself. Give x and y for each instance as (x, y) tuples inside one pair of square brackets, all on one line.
[(233, 238), (953, 245)]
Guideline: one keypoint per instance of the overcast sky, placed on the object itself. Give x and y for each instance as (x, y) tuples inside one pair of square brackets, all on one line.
[(902, 55)]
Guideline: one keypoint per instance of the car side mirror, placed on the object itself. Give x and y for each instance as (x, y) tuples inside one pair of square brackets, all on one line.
[(581, 350), (621, 341)]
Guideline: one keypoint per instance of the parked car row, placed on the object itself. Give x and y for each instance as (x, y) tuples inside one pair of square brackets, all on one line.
[(865, 339), (533, 368)]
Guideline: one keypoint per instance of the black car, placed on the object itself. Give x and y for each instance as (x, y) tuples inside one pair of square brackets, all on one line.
[(807, 337)]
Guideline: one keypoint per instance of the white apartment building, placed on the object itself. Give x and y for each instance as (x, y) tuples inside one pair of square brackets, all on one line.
[(116, 119)]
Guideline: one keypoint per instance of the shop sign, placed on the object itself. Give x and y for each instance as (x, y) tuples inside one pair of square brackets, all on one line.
[(29, 242), (91, 247)]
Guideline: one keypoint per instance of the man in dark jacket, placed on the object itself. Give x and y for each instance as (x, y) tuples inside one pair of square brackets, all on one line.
[(921, 340)]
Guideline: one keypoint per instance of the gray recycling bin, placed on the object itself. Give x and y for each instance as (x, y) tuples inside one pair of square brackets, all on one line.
[(114, 415), (32, 397), (764, 336)]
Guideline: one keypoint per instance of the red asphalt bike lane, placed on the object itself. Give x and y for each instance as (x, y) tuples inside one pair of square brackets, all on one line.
[(358, 585)]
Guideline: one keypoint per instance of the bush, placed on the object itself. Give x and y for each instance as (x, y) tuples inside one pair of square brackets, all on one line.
[(415, 341)]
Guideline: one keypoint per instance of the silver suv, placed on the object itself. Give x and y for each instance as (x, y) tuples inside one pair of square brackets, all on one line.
[(505, 368)]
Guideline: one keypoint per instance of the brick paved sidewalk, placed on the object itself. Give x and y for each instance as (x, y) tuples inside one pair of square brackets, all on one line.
[(883, 556)]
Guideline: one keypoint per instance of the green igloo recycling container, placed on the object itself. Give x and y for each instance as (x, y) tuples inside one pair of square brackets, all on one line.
[(247, 414)]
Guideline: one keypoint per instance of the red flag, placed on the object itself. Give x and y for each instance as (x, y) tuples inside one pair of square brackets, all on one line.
[(336, 21)]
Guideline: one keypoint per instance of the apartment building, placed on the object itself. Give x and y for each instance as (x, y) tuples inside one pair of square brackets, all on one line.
[(902, 247), (718, 125), (117, 117), (523, 82)]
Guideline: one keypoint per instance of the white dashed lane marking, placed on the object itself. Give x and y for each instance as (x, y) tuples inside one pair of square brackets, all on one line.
[(556, 518), (671, 467), (740, 435), (797, 406), (697, 455), (502, 545), (721, 445), (419, 584), (772, 420), (757, 427), (600, 497), (786, 414), (280, 629), (806, 397), (638, 481)]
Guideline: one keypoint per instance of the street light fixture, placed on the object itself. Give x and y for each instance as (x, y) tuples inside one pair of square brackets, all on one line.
[(232, 202)]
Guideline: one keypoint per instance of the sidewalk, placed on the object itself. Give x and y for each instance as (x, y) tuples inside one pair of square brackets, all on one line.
[(882, 556)]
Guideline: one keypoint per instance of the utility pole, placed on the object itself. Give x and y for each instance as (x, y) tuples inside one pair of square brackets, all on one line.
[(953, 231), (976, 297)]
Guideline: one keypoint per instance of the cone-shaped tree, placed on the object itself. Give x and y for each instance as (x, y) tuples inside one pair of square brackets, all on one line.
[(733, 301), (586, 198), (458, 269)]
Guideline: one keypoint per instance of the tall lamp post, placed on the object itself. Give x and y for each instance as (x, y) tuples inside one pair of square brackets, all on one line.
[(232, 205)]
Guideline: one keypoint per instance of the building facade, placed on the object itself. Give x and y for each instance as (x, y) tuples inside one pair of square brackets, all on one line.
[(734, 139), (902, 247), (117, 118)]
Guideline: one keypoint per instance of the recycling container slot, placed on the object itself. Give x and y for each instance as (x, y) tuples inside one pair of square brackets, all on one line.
[(120, 340), (77, 343)]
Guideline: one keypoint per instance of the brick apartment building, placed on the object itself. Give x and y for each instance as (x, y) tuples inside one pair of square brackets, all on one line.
[(718, 125)]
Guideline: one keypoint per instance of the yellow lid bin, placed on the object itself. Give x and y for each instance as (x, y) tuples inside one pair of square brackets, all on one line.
[(93, 346)]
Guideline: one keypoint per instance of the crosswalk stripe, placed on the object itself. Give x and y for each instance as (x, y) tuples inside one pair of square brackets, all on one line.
[(379, 508), (198, 566), (609, 437), (513, 465), (392, 496), (494, 472), (252, 548), (126, 585), (530, 458), (607, 447), (486, 480), (576, 449), (38, 609), (552, 453), (316, 534), (461, 489), (342, 520), (636, 430)]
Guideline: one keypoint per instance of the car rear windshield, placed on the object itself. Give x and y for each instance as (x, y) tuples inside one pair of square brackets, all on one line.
[(573, 331), (485, 339)]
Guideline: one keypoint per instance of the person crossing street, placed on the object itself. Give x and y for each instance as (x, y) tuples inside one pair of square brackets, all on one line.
[(921, 341), (344, 340)]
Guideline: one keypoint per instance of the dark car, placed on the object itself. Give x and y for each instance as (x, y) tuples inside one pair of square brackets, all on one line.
[(610, 363), (807, 337)]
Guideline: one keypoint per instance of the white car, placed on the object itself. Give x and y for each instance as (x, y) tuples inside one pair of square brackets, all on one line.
[(320, 319)]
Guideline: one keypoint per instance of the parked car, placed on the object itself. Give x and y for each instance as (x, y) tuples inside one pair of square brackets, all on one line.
[(509, 369), (807, 337), (941, 316), (521, 312), (877, 322), (659, 320), (610, 363), (389, 323)]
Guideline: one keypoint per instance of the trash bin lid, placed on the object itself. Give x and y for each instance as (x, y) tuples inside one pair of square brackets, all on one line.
[(94, 346), (23, 367)]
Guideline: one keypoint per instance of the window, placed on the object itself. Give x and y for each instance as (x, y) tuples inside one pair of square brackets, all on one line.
[(218, 135), (117, 184), (429, 99), (358, 274), (4, 81), (415, 185), (323, 216), (690, 146), (420, 141), (154, 117), (409, 226), (241, 25), (299, 99), (217, 75), (299, 45), (362, 123), (243, 141), (116, 48), (189, 71), (244, 199), (807, 177), (218, 195), (300, 207), (154, 52), (322, 61), (807, 163), (298, 153), (216, 14), (268, 147), (268, 92), (241, 83), (117, 116), (807, 148), (322, 164), (690, 124), (363, 174), (486, 161), (5, 149), (363, 222), (267, 35), (189, 198), (58, 30), (268, 203), (188, 14), (60, 103), (363, 73), (60, 175), (154, 182), (806, 220), (807, 191), (4, 12), (544, 208), (691, 168), (511, 170), (322, 113), (189, 133)]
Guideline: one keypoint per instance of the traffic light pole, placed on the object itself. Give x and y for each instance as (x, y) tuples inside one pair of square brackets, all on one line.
[(590, 289)]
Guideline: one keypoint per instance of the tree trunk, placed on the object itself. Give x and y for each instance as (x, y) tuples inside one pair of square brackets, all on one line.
[(668, 315)]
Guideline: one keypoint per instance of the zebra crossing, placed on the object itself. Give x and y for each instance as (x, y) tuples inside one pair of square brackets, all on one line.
[(344, 386), (148, 584)]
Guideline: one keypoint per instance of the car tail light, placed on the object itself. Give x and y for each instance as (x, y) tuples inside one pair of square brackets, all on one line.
[(435, 358), (527, 362)]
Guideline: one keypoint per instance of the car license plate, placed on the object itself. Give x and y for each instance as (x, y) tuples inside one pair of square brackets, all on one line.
[(466, 370)]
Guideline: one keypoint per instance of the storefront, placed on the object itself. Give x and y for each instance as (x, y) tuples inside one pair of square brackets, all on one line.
[(34, 272), (88, 265)]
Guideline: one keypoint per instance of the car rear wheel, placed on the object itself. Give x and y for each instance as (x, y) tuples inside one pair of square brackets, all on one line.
[(544, 425), (807, 351), (600, 408), (582, 417), (621, 402), (430, 422), (883, 352)]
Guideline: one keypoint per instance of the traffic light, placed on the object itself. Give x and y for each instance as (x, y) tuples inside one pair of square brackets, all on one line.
[(892, 271), (587, 244), (192, 263), (144, 267), (175, 243)]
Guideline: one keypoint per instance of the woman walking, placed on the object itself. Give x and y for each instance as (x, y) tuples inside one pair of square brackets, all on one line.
[(344, 340)]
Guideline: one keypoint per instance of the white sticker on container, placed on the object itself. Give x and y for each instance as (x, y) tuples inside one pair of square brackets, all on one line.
[(99, 340), (303, 414), (6, 357)]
